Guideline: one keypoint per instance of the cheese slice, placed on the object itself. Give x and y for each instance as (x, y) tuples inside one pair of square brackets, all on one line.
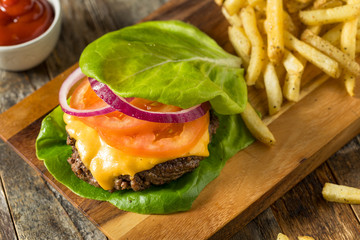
[(106, 162)]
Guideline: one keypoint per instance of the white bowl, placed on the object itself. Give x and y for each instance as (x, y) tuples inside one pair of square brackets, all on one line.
[(29, 54)]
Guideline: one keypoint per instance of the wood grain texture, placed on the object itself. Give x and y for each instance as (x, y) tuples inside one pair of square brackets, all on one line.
[(345, 165), (319, 219), (43, 206), (262, 227), (311, 131), (7, 230)]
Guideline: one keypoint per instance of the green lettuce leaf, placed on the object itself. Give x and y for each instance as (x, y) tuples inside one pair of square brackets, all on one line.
[(231, 137), (188, 66)]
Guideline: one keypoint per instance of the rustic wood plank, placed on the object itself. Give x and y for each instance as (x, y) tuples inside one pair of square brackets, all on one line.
[(14, 88), (303, 211), (31, 203), (24, 113), (263, 226), (86, 229), (345, 165), (7, 230)]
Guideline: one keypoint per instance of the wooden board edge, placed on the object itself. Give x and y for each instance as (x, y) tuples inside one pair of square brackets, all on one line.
[(32, 107)]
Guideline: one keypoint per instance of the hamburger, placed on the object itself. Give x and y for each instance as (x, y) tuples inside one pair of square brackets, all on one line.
[(129, 153), (153, 121)]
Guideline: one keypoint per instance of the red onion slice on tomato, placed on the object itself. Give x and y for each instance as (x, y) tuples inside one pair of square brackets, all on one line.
[(73, 78), (119, 103)]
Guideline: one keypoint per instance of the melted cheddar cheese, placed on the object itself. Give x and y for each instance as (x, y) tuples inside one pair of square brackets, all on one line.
[(106, 162)]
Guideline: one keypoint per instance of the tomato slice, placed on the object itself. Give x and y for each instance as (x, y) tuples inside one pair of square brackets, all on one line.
[(138, 137)]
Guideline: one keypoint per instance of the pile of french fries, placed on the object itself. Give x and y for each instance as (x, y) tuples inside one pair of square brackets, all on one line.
[(281, 43), (281, 236)]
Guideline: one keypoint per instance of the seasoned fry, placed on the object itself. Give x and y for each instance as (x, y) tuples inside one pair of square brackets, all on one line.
[(315, 29), (219, 2), (348, 46), (331, 15), (257, 128), (292, 64), (333, 35), (294, 6), (305, 238), (275, 30), (295, 69), (328, 65), (289, 24), (259, 5), (241, 43), (304, 1), (234, 6), (272, 88), (343, 59), (281, 236), (328, 4), (257, 57), (318, 3), (234, 20), (341, 194)]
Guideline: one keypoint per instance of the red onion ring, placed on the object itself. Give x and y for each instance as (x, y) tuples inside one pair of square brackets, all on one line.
[(70, 81), (119, 103)]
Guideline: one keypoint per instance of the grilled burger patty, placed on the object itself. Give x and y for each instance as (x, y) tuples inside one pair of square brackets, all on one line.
[(160, 174)]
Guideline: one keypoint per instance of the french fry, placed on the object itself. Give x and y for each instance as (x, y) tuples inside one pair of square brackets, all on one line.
[(281, 236), (331, 15), (318, 3), (257, 128), (275, 30), (234, 6), (342, 58), (257, 57), (253, 3), (326, 64), (272, 88), (240, 43), (219, 2), (304, 1), (341, 194), (291, 63), (295, 69), (357, 47), (289, 24), (348, 35), (333, 35), (259, 5), (234, 20), (305, 238), (328, 4), (348, 46), (316, 29), (294, 6)]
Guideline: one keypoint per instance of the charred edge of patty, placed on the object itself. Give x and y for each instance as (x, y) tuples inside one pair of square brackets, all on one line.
[(160, 174)]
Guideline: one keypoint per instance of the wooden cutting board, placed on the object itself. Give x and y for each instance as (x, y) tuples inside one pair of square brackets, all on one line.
[(307, 134)]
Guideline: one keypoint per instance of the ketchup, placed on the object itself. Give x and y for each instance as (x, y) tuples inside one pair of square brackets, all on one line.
[(23, 20)]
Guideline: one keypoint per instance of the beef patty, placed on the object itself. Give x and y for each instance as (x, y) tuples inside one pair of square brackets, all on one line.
[(160, 174)]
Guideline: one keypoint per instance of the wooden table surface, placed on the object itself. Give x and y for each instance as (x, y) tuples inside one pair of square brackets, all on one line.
[(31, 209)]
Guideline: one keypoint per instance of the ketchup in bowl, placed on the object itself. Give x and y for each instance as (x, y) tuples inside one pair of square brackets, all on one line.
[(23, 20)]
